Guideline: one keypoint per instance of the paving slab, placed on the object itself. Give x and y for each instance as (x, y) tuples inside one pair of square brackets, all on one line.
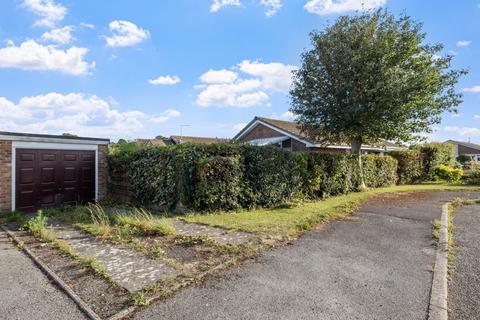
[(219, 235), (377, 266), (130, 268), (464, 287), (26, 293)]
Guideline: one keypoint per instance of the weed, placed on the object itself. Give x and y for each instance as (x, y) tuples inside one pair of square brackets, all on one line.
[(436, 230), (10, 217), (139, 298), (98, 215)]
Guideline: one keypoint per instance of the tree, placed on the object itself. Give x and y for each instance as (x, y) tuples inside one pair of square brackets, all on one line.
[(372, 77)]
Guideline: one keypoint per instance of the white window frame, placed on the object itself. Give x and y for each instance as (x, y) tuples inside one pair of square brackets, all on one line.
[(84, 146)]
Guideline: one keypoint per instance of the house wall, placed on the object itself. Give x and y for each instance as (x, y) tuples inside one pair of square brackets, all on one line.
[(467, 150), (5, 175), (259, 132)]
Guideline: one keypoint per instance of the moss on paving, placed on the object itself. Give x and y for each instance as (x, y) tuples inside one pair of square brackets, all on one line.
[(293, 220)]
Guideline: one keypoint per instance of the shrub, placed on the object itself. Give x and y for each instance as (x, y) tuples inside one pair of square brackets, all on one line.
[(379, 171), (270, 176), (463, 159), (448, 173), (410, 165), (434, 155), (219, 184)]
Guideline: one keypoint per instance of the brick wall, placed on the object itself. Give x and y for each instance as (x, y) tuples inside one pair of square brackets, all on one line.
[(5, 176), (260, 132), (102, 171)]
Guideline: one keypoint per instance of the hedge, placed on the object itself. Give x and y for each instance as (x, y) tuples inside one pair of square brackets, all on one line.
[(436, 154), (410, 165), (228, 176)]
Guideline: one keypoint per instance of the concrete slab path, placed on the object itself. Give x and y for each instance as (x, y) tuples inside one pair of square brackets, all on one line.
[(26, 293), (464, 287), (375, 266), (130, 268)]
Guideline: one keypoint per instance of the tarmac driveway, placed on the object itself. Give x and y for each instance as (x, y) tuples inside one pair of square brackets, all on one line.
[(375, 266), (25, 292)]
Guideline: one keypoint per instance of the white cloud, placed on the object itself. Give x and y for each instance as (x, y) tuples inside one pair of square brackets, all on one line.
[(288, 115), (125, 34), (218, 76), (225, 88), (239, 126), (31, 55), (49, 12), (463, 43), (166, 80), (474, 89), (272, 6), (464, 131), (242, 93), (325, 7), (477, 116), (87, 25), (165, 116), (219, 4), (75, 113), (275, 76), (59, 35)]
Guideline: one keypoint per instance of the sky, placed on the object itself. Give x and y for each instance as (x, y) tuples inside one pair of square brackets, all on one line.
[(141, 68)]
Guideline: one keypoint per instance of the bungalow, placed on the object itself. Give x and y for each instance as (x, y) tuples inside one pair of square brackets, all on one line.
[(287, 135), (466, 148)]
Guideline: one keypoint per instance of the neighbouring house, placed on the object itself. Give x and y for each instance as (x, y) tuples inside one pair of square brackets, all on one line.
[(181, 139), (287, 135), (40, 171), (466, 148)]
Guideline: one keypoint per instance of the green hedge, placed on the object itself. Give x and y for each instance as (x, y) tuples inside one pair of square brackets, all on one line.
[(410, 165), (436, 154), (228, 176)]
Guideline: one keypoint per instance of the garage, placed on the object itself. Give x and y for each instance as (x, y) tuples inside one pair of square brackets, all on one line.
[(42, 171)]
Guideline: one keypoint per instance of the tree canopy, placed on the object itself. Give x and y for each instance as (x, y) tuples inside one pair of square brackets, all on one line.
[(372, 77)]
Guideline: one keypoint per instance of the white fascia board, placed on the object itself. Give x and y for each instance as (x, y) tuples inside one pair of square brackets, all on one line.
[(51, 140), (257, 122)]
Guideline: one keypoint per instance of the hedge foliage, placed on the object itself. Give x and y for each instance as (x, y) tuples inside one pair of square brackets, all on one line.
[(410, 166), (228, 176), (435, 154)]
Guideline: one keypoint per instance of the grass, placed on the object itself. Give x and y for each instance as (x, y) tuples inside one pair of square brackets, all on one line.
[(9, 217), (294, 220), (125, 225)]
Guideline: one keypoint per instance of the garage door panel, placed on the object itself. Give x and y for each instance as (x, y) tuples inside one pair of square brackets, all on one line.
[(46, 178)]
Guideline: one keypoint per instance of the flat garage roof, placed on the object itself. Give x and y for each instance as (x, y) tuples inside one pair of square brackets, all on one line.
[(19, 136)]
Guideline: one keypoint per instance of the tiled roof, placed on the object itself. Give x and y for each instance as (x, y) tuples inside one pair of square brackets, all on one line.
[(183, 139), (466, 144)]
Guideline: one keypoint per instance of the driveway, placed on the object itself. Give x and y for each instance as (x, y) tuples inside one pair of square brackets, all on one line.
[(376, 265), (25, 292), (464, 287)]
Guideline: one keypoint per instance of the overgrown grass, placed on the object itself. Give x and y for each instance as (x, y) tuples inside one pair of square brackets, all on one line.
[(14, 216), (293, 220), (125, 224)]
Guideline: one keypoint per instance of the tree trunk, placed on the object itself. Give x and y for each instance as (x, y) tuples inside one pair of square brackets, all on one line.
[(357, 149)]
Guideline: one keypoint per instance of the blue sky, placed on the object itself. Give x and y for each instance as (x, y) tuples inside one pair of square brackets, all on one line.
[(138, 68)]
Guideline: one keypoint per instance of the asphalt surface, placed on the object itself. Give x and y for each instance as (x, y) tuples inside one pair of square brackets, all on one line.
[(375, 266), (464, 287), (26, 293)]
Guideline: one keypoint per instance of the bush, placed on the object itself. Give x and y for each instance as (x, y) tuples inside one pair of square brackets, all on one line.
[(219, 184), (463, 159), (436, 154), (271, 178), (410, 165), (379, 171), (448, 173)]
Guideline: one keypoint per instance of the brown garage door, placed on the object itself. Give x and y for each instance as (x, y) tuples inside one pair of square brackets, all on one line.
[(47, 178)]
